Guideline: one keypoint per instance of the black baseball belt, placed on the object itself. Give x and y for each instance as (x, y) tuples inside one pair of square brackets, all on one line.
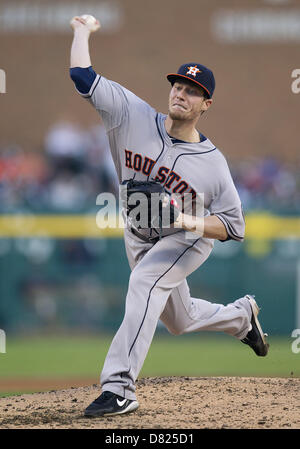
[(143, 237)]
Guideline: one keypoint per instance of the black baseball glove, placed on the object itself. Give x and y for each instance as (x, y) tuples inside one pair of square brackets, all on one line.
[(148, 204)]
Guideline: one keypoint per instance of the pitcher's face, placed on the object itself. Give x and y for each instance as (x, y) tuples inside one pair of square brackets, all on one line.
[(187, 101)]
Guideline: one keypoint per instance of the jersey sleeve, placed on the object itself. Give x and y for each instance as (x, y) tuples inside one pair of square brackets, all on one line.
[(83, 78), (228, 208), (110, 99)]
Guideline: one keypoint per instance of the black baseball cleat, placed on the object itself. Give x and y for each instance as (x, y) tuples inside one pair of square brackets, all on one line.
[(255, 338), (108, 404)]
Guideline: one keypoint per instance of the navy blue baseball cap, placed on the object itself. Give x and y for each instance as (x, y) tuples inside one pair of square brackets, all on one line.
[(196, 73)]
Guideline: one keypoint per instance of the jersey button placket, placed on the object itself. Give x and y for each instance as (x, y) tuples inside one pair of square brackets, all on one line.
[(169, 158), (169, 155)]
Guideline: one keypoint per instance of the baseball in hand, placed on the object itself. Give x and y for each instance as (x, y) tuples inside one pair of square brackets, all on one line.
[(90, 21)]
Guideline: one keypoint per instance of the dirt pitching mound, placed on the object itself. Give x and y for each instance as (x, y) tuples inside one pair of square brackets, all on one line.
[(166, 403)]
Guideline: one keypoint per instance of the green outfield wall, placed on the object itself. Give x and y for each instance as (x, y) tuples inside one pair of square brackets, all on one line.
[(63, 272)]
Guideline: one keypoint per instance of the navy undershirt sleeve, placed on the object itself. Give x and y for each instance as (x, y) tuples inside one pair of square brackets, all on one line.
[(83, 78)]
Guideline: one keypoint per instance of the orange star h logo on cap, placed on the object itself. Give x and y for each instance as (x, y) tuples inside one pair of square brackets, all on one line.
[(193, 70)]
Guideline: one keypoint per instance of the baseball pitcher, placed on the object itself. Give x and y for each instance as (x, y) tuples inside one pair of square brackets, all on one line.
[(166, 158)]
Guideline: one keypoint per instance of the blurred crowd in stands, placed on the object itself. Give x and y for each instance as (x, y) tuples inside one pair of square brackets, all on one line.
[(76, 166), (268, 184), (73, 168)]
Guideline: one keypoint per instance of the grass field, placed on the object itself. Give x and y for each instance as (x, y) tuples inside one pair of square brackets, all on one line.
[(83, 356)]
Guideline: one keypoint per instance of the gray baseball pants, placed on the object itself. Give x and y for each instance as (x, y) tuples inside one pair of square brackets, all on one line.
[(158, 290)]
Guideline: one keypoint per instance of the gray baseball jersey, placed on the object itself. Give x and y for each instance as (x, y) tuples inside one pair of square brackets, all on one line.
[(158, 288), (141, 147)]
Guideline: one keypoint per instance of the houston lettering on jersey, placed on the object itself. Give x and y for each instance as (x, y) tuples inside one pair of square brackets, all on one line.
[(138, 163), (169, 178)]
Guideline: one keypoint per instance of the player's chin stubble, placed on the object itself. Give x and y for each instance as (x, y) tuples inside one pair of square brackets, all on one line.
[(175, 116), (181, 116)]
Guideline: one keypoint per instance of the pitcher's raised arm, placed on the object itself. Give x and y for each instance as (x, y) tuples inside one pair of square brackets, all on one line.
[(82, 27)]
